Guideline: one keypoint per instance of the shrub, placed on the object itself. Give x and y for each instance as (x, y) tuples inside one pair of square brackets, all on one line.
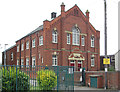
[(111, 68), (9, 79), (46, 79)]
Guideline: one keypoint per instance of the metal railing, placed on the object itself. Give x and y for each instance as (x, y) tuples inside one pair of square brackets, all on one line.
[(13, 77)]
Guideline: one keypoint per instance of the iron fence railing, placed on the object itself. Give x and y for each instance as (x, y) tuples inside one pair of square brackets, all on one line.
[(13, 77)]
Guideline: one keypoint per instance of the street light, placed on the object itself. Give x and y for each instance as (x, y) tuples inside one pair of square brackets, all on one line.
[(0, 46), (105, 30), (5, 55)]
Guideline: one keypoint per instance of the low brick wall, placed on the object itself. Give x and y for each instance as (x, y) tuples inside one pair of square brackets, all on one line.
[(113, 78)]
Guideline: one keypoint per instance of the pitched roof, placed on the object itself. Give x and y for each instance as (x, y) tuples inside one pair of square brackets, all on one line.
[(10, 48), (57, 18), (34, 31)]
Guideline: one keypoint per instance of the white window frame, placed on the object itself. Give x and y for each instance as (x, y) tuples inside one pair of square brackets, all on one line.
[(41, 40), (42, 60), (72, 61), (54, 36), (92, 61), (39, 55), (54, 60), (68, 38), (17, 61), (83, 40), (33, 43), (12, 56), (27, 62), (22, 62), (22, 46), (92, 41), (79, 62), (27, 45), (76, 36), (17, 48), (33, 62)]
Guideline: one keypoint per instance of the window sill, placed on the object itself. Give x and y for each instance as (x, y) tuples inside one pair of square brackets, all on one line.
[(92, 66), (68, 43), (75, 44), (54, 42), (54, 65), (41, 45), (83, 45)]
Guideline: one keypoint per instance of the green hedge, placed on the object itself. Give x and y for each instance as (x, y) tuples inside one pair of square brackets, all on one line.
[(46, 79), (9, 79)]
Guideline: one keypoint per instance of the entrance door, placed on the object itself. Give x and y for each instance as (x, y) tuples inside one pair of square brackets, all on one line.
[(79, 65), (72, 63), (93, 82)]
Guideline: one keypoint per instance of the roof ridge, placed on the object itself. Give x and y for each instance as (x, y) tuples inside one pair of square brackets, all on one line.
[(32, 32)]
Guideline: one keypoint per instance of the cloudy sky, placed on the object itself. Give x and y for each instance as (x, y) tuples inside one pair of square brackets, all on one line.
[(19, 17)]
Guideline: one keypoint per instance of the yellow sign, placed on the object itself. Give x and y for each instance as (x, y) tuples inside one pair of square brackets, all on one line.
[(106, 60)]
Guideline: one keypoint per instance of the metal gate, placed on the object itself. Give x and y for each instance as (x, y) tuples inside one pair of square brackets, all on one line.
[(27, 77)]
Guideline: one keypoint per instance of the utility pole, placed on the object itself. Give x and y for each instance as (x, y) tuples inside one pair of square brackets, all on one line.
[(5, 55), (105, 6)]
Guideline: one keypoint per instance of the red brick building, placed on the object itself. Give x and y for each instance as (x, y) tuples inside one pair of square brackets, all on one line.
[(66, 40)]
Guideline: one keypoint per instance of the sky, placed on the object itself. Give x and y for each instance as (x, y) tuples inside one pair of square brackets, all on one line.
[(19, 17)]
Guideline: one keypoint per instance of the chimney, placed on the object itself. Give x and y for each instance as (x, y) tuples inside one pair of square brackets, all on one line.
[(87, 15), (53, 15), (62, 9)]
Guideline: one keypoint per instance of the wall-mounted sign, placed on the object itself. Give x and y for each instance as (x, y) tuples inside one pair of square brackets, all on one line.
[(106, 60)]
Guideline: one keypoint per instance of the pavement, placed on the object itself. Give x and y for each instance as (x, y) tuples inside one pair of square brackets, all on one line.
[(86, 88), (89, 89)]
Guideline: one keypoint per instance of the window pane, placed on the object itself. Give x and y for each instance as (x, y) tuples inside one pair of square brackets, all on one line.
[(76, 36), (22, 63), (68, 38), (92, 41), (54, 36), (11, 56), (41, 40), (54, 60), (27, 45), (27, 62), (83, 41), (22, 47), (17, 61), (33, 43), (92, 61), (33, 61), (17, 48)]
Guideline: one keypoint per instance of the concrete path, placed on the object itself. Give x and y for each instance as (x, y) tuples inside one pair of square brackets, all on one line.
[(85, 88)]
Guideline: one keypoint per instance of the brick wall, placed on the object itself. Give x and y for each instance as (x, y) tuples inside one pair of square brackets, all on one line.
[(63, 24), (8, 52), (113, 78)]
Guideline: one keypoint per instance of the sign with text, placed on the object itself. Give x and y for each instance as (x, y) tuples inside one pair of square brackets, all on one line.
[(106, 60)]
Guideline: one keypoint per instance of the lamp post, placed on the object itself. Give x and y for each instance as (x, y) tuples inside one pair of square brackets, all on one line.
[(105, 30), (5, 55), (0, 46)]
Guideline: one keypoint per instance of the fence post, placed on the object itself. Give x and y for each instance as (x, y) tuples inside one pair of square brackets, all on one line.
[(16, 77), (57, 77)]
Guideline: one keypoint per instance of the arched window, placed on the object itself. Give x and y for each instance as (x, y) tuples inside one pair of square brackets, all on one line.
[(76, 36), (92, 41), (54, 36)]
